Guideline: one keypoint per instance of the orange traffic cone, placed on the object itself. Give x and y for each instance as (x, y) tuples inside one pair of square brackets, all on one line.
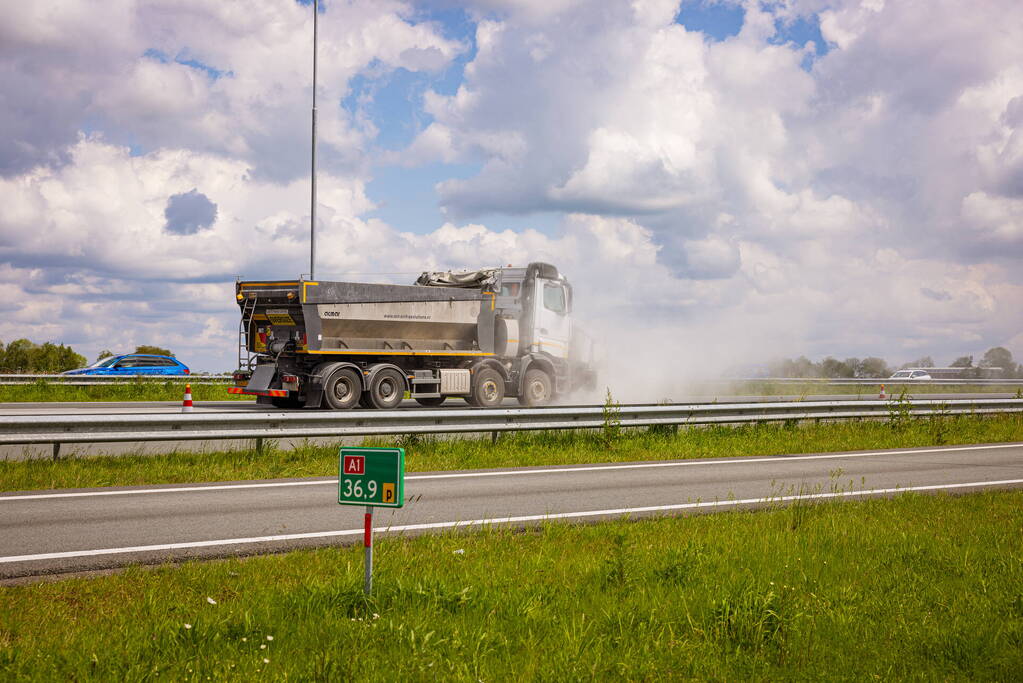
[(881, 395), (186, 405)]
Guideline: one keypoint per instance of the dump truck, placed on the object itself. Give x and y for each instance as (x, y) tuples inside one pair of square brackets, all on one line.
[(479, 335)]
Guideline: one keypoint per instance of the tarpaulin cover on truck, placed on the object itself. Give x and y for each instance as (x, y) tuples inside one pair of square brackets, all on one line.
[(468, 278)]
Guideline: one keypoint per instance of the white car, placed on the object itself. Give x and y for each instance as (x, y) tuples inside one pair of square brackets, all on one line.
[(910, 374)]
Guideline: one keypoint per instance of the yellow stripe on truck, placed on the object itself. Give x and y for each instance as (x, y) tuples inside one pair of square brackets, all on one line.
[(304, 286)]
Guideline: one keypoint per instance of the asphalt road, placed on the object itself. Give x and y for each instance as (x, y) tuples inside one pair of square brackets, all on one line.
[(65, 531)]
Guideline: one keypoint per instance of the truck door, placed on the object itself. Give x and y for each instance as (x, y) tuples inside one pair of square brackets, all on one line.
[(551, 322)]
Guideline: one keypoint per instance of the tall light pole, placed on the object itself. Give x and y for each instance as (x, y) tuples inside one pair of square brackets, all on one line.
[(312, 207)]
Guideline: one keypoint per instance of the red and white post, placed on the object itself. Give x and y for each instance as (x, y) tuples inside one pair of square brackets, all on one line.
[(367, 540)]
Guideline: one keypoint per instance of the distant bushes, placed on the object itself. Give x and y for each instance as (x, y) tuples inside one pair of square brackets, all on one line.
[(24, 356), (996, 363), (830, 367)]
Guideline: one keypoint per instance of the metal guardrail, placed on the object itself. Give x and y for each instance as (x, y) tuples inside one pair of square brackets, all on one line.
[(88, 380), (57, 429)]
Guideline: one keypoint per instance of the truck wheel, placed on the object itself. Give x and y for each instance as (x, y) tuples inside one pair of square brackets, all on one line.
[(431, 402), (537, 389), (487, 389), (387, 389), (342, 389)]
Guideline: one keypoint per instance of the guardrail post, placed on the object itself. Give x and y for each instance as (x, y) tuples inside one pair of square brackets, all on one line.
[(493, 437), (56, 451), (259, 445)]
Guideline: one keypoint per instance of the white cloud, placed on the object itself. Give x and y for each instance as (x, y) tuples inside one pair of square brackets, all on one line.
[(141, 71), (904, 139), (720, 201), (996, 219)]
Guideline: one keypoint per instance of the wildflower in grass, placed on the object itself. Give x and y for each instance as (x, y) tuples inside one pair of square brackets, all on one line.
[(188, 626), (263, 646), (265, 660), (210, 600), (460, 551), (269, 637), (244, 639)]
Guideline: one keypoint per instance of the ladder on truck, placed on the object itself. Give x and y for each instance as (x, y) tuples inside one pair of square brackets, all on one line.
[(244, 355)]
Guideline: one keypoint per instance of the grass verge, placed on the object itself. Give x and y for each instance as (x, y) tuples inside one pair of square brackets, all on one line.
[(921, 587), (48, 392), (517, 450)]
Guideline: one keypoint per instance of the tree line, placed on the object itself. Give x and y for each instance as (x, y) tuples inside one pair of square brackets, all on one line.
[(996, 363), (22, 356)]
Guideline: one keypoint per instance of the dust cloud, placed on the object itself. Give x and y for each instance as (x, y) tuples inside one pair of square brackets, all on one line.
[(680, 360)]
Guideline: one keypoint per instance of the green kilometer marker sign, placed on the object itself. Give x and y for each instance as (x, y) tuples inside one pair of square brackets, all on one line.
[(372, 477)]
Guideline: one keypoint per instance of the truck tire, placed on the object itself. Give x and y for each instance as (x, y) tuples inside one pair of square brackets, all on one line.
[(536, 389), (386, 389), (431, 402), (487, 389), (342, 389)]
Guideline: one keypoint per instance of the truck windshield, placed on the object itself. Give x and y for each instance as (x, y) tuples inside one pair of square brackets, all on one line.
[(554, 298)]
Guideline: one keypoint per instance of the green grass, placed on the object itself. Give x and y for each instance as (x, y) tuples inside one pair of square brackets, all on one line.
[(515, 450), (922, 588), (46, 392)]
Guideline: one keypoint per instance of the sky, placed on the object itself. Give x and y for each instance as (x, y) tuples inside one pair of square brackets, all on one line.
[(723, 181)]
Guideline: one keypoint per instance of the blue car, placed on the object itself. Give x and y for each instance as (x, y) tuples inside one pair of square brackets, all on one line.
[(133, 364)]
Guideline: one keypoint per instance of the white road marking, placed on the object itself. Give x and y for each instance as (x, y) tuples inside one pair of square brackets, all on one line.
[(494, 520), (508, 473)]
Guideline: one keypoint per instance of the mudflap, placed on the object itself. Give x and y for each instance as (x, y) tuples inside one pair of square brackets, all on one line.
[(261, 378), (313, 396)]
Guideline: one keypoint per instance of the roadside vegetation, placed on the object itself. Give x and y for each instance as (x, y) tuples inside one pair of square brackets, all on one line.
[(919, 587), (612, 443), (137, 390), (24, 356), (995, 363)]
